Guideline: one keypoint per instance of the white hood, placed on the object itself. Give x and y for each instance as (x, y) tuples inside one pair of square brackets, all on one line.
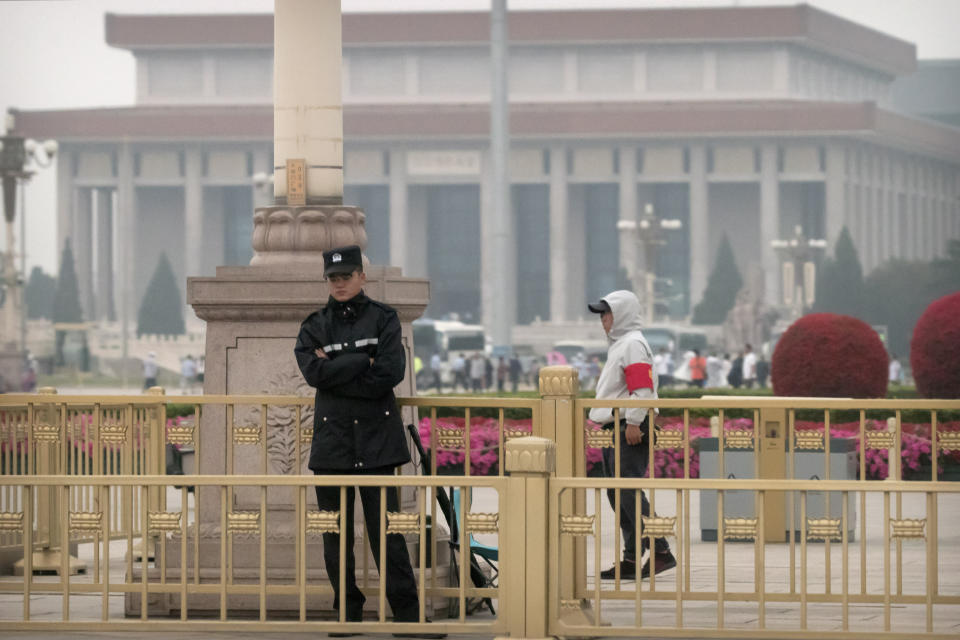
[(627, 347), (626, 310)]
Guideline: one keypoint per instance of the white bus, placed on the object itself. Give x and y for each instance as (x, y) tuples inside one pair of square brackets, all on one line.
[(449, 338)]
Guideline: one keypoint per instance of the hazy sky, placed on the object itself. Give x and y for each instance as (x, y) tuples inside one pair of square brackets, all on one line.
[(54, 56)]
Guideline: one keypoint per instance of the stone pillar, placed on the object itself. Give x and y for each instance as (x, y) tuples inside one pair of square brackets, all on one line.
[(193, 214), (575, 253), (105, 308), (399, 234), (834, 193), (559, 265), (307, 111), (700, 263), (417, 262), (628, 211), (770, 223), (82, 246), (126, 233), (253, 313)]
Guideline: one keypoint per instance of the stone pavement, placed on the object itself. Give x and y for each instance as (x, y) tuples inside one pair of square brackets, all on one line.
[(739, 570)]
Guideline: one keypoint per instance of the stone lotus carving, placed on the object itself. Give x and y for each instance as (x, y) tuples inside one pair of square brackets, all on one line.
[(300, 234), (282, 427), (559, 380)]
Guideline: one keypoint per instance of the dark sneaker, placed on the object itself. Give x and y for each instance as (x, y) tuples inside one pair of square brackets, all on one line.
[(661, 561), (628, 571)]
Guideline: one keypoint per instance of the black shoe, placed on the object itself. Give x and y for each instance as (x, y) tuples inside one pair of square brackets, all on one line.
[(628, 571), (662, 561)]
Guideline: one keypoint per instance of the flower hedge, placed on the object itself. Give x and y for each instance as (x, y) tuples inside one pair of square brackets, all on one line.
[(829, 355), (935, 349), (668, 463)]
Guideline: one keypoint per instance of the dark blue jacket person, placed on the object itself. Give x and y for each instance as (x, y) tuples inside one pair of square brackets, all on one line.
[(350, 351)]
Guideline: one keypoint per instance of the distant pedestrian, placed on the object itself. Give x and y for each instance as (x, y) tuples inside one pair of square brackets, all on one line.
[(895, 370), (735, 377), (487, 373), (150, 371), (460, 373), (749, 366), (477, 371), (714, 371), (698, 369), (663, 364), (436, 369), (502, 371), (763, 370), (188, 372), (515, 369)]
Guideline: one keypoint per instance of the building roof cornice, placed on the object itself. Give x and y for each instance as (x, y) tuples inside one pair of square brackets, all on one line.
[(607, 120), (801, 25)]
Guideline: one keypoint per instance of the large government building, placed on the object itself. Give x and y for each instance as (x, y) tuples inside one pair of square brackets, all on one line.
[(738, 121)]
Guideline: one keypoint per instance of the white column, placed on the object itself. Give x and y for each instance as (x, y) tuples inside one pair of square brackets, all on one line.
[(193, 203), (699, 230), (262, 195), (399, 234), (307, 109), (126, 233), (834, 193), (104, 224), (490, 295), (559, 264), (415, 264), (82, 246), (770, 223), (628, 208), (576, 253)]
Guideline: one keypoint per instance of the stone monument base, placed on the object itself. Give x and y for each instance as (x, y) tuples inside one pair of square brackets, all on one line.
[(280, 572)]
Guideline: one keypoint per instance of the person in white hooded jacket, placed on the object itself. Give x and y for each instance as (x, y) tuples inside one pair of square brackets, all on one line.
[(628, 374)]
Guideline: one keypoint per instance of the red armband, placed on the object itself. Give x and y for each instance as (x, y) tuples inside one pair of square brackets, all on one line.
[(639, 376)]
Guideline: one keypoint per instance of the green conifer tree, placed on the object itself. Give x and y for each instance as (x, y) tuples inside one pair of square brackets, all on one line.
[(66, 302), (840, 287), (40, 292), (161, 311), (722, 288)]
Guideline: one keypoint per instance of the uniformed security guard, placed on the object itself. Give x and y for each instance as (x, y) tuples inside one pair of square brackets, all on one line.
[(351, 352)]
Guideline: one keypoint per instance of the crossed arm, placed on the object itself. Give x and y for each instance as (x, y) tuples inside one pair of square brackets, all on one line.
[(354, 374)]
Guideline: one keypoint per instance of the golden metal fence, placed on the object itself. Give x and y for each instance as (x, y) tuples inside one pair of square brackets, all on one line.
[(99, 462), (146, 577)]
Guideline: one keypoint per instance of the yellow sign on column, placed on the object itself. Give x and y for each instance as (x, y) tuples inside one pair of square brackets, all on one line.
[(296, 181)]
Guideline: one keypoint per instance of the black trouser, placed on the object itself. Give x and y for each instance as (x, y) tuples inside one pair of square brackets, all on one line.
[(633, 464), (401, 586)]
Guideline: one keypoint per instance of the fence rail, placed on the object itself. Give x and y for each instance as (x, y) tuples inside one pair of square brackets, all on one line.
[(859, 557)]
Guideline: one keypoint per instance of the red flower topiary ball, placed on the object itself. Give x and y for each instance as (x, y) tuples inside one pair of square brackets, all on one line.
[(830, 355), (935, 349)]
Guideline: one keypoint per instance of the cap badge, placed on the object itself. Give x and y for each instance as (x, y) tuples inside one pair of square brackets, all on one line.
[(336, 258)]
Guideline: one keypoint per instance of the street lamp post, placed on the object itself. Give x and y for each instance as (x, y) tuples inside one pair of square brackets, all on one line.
[(799, 269), (19, 160), (649, 233)]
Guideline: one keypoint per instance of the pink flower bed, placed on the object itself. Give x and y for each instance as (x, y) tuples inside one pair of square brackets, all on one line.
[(668, 463)]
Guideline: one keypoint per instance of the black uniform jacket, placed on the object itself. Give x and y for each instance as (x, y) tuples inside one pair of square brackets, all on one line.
[(356, 423)]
